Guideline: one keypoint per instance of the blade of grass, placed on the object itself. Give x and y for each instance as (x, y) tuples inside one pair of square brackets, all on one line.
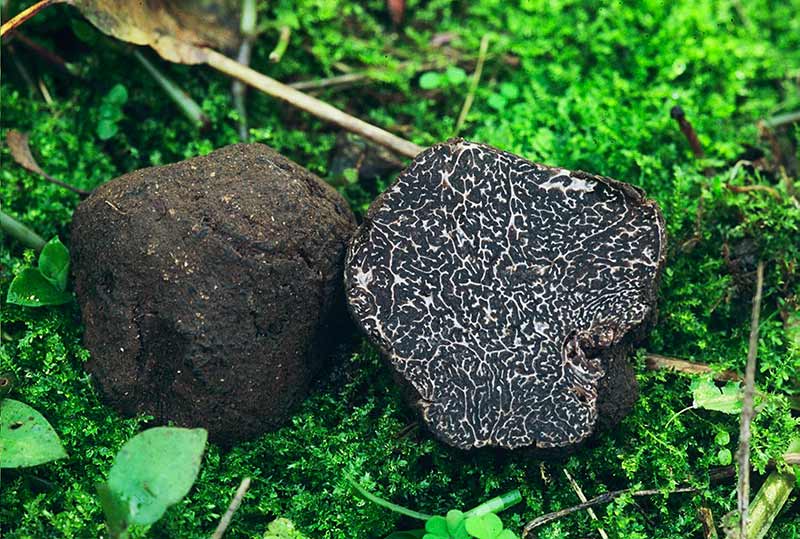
[(185, 103), (386, 503), (473, 86), (20, 232)]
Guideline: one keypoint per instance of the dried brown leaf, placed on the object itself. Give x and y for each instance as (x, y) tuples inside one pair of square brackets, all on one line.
[(177, 29), (21, 151)]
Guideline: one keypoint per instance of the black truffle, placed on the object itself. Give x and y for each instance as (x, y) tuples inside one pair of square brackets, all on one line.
[(207, 288), (507, 293)]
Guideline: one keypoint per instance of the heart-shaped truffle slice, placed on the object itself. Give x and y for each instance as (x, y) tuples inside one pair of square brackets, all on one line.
[(507, 293)]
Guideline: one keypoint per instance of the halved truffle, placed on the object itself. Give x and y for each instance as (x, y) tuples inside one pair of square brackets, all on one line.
[(507, 293)]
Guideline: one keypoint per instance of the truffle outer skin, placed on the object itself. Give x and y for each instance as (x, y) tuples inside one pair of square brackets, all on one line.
[(491, 375), (210, 288)]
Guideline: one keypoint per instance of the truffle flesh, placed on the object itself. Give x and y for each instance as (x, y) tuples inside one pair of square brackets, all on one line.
[(504, 292)]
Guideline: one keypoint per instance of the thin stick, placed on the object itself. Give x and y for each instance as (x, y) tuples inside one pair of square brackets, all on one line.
[(20, 232), (188, 106), (283, 44), (42, 52), (23, 71), (238, 89), (338, 80), (743, 453), (606, 497), (688, 131), (707, 519), (656, 362), (309, 104), (750, 188), (225, 521), (26, 14), (473, 86), (582, 497), (783, 119)]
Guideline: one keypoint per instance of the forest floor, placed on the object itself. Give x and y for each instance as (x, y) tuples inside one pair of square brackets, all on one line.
[(565, 83)]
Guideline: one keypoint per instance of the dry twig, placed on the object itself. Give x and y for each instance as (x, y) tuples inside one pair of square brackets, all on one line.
[(656, 362), (606, 497), (582, 497), (707, 519), (743, 453), (225, 521)]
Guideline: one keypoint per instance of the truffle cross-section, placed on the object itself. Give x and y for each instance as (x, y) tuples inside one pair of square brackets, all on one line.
[(504, 292)]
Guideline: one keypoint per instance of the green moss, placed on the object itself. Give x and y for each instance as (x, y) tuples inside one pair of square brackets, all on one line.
[(568, 83)]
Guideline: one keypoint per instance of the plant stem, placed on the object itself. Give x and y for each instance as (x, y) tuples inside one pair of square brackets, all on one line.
[(283, 43), (26, 14), (782, 119), (743, 453), (495, 505), (309, 104), (386, 503), (188, 106), (473, 86), (606, 497), (225, 521), (247, 28), (655, 362), (20, 232), (771, 497), (582, 497)]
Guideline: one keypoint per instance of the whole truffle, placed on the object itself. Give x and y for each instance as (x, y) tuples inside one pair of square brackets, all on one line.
[(207, 288), (507, 294)]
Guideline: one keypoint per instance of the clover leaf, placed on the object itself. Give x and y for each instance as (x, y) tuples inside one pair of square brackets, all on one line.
[(487, 527), (727, 399)]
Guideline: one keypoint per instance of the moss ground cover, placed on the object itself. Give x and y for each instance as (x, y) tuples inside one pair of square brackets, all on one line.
[(573, 84)]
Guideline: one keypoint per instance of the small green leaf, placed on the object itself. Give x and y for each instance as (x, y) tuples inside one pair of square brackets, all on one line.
[(30, 289), (708, 396), (116, 510), (509, 91), (497, 102), (111, 113), (282, 528), (722, 438), (430, 80), (54, 263), (106, 129), (155, 469), (484, 527), (456, 524), (117, 96), (26, 438), (455, 75), (724, 457), (507, 534), (437, 526), (350, 175)]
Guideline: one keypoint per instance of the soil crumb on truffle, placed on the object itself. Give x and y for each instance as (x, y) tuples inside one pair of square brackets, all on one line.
[(207, 288), (508, 294)]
